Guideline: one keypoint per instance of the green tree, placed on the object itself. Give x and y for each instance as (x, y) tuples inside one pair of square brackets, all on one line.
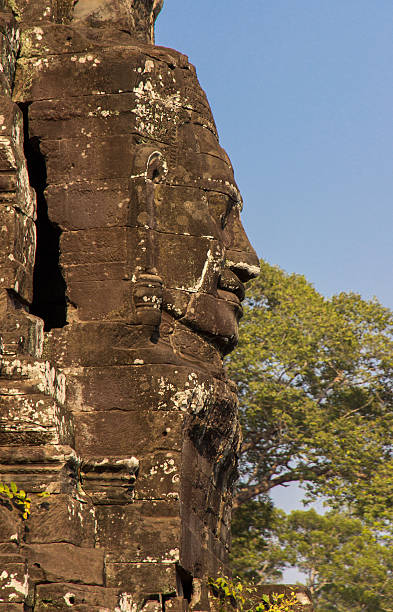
[(255, 555), (348, 566), (315, 379)]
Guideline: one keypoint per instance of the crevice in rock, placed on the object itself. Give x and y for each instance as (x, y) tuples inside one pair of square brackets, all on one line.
[(49, 288), (184, 583)]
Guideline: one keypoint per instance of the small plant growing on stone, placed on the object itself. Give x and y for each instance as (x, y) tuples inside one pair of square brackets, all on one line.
[(18, 498), (277, 602), (234, 594)]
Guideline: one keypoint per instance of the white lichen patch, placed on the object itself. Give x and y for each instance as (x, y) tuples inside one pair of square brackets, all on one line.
[(126, 603), (69, 599), (38, 33), (41, 374), (239, 265), (172, 556), (155, 108), (195, 397), (103, 112), (131, 463), (12, 583)]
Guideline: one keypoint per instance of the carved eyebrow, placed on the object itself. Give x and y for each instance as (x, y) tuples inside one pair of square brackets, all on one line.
[(215, 185)]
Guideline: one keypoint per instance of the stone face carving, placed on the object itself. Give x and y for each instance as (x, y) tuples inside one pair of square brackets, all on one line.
[(114, 398)]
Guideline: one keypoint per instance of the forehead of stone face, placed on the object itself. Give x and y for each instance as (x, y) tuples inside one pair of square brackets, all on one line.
[(171, 110)]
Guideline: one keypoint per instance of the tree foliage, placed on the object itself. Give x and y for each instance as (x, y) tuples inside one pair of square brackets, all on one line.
[(348, 565), (315, 378)]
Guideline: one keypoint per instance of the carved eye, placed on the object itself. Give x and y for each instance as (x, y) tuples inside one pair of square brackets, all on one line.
[(230, 205)]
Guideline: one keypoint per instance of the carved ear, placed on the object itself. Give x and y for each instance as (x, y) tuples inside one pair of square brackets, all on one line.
[(149, 169), (149, 163), (156, 168)]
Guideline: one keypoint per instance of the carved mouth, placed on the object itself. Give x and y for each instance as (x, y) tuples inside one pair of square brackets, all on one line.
[(232, 290)]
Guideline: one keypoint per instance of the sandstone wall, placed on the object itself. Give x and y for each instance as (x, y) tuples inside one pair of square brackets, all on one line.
[(122, 263)]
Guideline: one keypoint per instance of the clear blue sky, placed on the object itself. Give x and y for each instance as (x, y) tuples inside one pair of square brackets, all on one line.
[(302, 94)]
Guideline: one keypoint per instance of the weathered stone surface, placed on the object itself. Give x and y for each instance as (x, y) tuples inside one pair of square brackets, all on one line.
[(147, 578), (59, 561), (124, 433), (62, 596), (61, 518), (13, 582), (159, 533), (121, 281), (109, 480), (135, 18), (51, 468), (109, 388), (10, 524)]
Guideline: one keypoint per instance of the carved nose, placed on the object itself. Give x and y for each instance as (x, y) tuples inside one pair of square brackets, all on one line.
[(241, 258), (245, 267)]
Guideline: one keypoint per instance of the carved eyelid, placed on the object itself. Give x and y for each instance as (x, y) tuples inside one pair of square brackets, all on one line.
[(231, 205)]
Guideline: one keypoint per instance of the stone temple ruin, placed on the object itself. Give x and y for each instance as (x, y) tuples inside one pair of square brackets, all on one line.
[(121, 275)]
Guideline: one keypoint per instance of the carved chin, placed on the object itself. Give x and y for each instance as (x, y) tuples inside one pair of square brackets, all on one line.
[(216, 317)]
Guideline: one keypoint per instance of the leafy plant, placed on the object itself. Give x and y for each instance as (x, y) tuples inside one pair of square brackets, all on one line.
[(18, 498), (277, 602), (243, 596)]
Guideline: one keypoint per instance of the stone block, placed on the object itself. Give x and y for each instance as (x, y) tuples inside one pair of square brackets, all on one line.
[(11, 527), (8, 51), (62, 596), (94, 116), (36, 469), (109, 480), (100, 300), (89, 204), (11, 146), (142, 578), (61, 562), (29, 419), (97, 245), (13, 582), (95, 72), (61, 518), (159, 476), (123, 434), (100, 388), (182, 211), (86, 158), (22, 332), (128, 534), (17, 251), (105, 343)]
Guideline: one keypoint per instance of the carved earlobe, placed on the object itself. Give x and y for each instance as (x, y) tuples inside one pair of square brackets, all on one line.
[(147, 292)]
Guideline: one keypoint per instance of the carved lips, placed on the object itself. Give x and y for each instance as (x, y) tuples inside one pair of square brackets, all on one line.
[(231, 289)]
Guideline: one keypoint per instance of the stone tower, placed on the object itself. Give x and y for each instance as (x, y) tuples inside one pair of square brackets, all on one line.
[(122, 270)]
